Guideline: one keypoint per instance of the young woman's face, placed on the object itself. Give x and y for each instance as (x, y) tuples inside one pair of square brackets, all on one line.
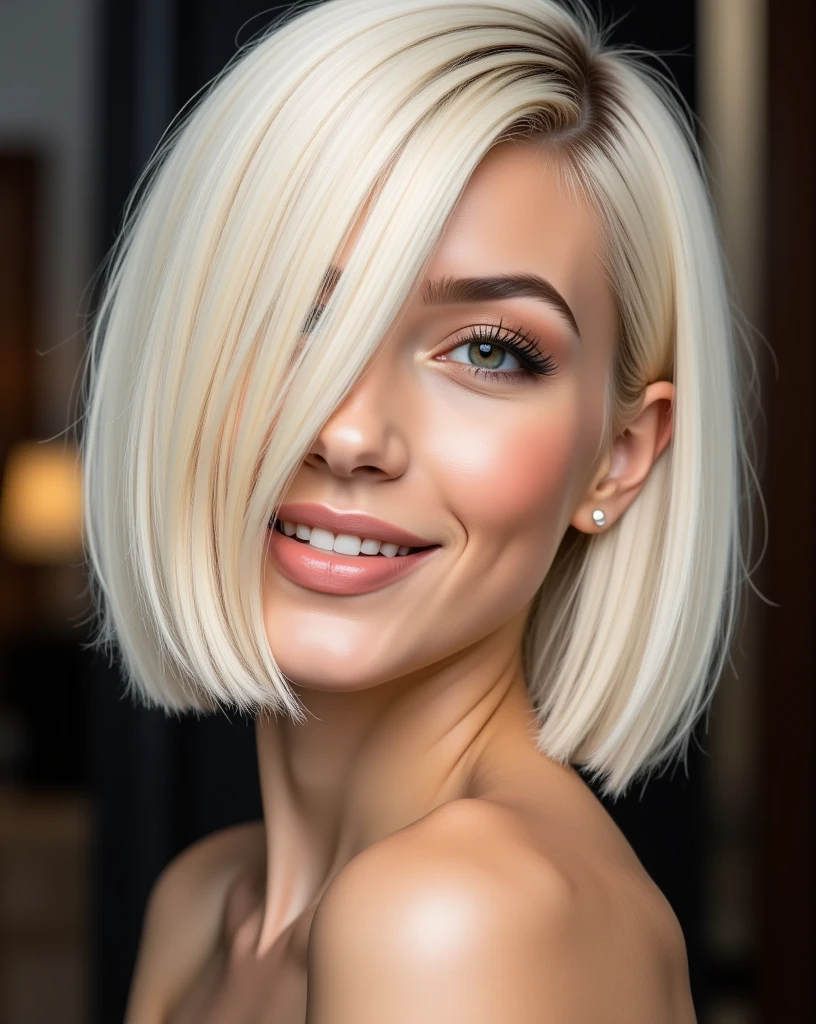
[(451, 434)]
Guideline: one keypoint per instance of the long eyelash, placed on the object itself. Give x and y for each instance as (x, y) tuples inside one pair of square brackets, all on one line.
[(522, 344), (311, 320)]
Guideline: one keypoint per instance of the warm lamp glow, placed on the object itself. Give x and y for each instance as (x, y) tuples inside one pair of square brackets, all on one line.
[(41, 504)]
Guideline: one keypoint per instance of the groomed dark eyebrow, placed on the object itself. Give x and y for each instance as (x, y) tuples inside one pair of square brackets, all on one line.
[(504, 286), (447, 290)]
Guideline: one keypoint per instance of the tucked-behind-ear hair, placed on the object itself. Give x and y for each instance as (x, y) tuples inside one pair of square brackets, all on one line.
[(202, 401)]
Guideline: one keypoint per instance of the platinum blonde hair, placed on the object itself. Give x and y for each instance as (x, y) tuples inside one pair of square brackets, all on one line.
[(202, 401)]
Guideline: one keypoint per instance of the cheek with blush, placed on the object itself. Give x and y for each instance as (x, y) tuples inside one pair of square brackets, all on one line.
[(511, 486), (516, 479)]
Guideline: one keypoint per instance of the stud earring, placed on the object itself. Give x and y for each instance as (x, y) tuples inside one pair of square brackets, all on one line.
[(598, 518)]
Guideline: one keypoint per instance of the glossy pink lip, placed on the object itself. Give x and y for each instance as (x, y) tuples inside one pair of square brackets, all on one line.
[(358, 524), (330, 573)]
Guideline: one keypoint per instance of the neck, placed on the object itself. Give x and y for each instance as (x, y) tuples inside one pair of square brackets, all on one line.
[(369, 762)]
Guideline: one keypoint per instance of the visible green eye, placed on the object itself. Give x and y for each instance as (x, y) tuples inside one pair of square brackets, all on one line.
[(493, 346), (494, 354)]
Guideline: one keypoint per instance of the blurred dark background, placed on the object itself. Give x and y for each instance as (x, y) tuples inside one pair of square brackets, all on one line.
[(97, 795)]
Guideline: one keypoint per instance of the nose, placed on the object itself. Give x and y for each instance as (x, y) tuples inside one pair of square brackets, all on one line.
[(366, 434)]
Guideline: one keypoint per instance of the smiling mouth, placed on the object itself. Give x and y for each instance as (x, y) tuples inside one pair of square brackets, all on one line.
[(399, 552)]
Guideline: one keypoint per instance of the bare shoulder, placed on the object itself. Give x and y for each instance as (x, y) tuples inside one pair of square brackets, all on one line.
[(183, 917), (460, 916)]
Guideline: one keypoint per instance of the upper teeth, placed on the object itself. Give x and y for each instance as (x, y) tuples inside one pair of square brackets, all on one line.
[(342, 543)]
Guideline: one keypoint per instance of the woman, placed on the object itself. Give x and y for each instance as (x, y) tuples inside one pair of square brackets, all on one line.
[(413, 431)]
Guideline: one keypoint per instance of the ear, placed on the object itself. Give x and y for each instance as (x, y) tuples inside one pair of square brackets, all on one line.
[(622, 473)]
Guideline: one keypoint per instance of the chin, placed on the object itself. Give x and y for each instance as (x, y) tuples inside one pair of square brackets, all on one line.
[(327, 675), (339, 655), (331, 657)]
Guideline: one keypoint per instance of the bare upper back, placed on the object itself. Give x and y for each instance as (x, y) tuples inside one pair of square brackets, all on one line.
[(464, 910), (576, 842)]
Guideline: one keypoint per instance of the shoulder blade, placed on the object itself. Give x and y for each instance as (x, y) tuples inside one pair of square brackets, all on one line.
[(458, 919), (444, 921)]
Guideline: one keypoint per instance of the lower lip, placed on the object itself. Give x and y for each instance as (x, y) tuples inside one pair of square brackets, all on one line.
[(330, 573)]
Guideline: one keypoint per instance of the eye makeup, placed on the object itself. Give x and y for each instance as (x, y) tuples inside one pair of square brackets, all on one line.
[(484, 339)]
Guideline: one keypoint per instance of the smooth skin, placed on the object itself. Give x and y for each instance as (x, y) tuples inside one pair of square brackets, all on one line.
[(419, 860)]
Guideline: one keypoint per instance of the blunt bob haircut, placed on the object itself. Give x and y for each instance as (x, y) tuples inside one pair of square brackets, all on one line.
[(203, 399)]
